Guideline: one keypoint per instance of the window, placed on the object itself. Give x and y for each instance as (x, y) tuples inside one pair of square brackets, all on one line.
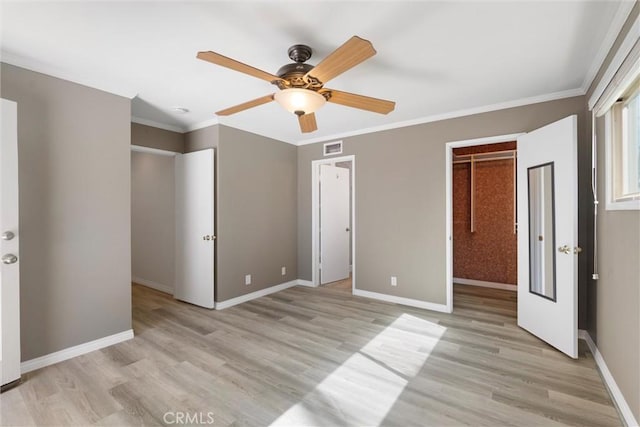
[(631, 145), (623, 150)]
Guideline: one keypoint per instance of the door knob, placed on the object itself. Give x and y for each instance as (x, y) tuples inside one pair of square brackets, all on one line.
[(9, 259), (565, 249), (8, 235), (347, 229)]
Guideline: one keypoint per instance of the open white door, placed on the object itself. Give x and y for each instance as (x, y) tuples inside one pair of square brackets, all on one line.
[(194, 228), (9, 245), (548, 234), (334, 223)]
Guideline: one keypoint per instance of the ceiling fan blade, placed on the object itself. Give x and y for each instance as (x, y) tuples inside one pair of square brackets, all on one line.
[(362, 102), (351, 53), (308, 123), (245, 105), (223, 61)]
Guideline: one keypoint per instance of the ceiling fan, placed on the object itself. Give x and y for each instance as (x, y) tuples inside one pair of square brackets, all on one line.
[(301, 85)]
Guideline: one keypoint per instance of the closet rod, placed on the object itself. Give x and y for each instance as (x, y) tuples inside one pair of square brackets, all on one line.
[(460, 162), (476, 157)]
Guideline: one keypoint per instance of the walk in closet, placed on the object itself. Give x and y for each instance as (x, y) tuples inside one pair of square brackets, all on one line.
[(484, 215)]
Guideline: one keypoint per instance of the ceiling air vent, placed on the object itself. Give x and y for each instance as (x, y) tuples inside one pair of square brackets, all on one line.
[(331, 148)]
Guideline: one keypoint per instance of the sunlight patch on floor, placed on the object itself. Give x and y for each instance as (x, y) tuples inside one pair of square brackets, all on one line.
[(366, 386)]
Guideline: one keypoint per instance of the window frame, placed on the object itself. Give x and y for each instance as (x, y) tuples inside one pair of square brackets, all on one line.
[(614, 152), (613, 164)]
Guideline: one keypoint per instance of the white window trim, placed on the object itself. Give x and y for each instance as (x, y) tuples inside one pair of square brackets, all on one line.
[(611, 204)]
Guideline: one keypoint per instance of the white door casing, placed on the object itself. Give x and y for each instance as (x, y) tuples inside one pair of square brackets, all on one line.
[(195, 240), (555, 322), (9, 246), (334, 223)]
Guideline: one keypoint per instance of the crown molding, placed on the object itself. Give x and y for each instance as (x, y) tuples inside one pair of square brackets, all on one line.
[(619, 19), (450, 115), (155, 124), (202, 125), (34, 66), (421, 120)]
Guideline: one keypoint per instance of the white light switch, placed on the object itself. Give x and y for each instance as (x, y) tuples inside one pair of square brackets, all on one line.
[(394, 281), (247, 279), (284, 270)]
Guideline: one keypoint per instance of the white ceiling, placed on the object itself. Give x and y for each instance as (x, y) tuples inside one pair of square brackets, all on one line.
[(434, 58)]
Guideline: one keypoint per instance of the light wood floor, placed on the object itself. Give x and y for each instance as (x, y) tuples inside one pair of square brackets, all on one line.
[(319, 356)]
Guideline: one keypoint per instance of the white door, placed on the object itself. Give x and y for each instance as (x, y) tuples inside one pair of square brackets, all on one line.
[(9, 239), (334, 223), (194, 228), (548, 234)]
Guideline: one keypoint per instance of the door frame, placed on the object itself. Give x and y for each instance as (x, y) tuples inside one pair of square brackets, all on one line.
[(449, 200), (162, 287), (315, 216)]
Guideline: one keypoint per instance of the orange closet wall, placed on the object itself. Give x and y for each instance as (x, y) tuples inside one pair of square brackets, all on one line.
[(490, 253)]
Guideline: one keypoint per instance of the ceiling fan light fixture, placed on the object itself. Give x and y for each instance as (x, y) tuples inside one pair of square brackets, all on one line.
[(296, 100)]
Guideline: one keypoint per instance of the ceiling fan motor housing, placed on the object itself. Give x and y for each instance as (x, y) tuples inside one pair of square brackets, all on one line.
[(294, 73), (299, 52)]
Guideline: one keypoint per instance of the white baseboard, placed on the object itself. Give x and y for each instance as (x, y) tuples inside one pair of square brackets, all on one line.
[(308, 283), (77, 350), (253, 295), (404, 301), (614, 390), (153, 285), (494, 285)]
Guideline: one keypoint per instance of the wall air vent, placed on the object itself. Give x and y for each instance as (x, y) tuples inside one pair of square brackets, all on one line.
[(331, 148)]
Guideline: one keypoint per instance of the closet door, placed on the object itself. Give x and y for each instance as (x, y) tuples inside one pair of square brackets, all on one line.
[(195, 239), (548, 234), (334, 223)]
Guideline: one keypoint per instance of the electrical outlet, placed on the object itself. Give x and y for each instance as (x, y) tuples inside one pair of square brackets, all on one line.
[(247, 279), (283, 270), (394, 281)]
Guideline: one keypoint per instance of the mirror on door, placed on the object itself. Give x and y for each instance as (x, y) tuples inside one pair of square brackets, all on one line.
[(542, 261)]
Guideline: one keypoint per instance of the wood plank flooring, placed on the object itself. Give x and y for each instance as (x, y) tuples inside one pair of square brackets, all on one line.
[(319, 356)]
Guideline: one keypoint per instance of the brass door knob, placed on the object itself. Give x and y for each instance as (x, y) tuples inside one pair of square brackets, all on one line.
[(565, 249)]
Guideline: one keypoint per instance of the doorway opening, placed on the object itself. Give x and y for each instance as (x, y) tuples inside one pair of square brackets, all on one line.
[(333, 223), (153, 218), (482, 244), (172, 223)]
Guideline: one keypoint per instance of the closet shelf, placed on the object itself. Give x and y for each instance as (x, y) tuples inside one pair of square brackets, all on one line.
[(485, 157), (488, 157)]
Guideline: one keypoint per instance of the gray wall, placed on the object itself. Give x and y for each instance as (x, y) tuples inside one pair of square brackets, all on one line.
[(255, 208), (618, 291), (148, 136), (202, 138), (75, 239), (153, 219), (400, 196), (614, 300)]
